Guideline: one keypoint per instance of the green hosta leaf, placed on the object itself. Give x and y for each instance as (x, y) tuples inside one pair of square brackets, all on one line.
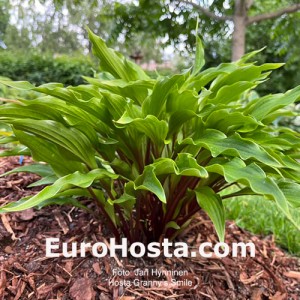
[(122, 168), (8, 139), (63, 201), (148, 181), (275, 141), (125, 198), (272, 117), (154, 104), (156, 130), (39, 169), (62, 161), (177, 119), (72, 113), (212, 204), (260, 108), (290, 167), (78, 192), (105, 203), (17, 150), (67, 197), (88, 131), (188, 166), (254, 177), (230, 93), (113, 62), (173, 225), (93, 106), (199, 57), (70, 139), (95, 115), (58, 91), (135, 90), (22, 85), (178, 101), (32, 112), (44, 181), (208, 75), (249, 55), (76, 179), (184, 165), (115, 104), (291, 191), (127, 203), (53, 109), (165, 166), (85, 92), (249, 72), (227, 121), (55, 201), (218, 143), (291, 174), (150, 126)]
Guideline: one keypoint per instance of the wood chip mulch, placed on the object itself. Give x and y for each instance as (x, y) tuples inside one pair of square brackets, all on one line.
[(26, 272)]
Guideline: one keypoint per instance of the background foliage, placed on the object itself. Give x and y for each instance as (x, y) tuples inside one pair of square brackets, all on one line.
[(40, 69), (57, 26)]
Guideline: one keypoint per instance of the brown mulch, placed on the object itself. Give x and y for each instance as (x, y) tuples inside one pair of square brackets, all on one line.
[(26, 273)]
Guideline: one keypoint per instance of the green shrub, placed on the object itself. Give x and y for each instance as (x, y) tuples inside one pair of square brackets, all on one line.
[(42, 69), (152, 152)]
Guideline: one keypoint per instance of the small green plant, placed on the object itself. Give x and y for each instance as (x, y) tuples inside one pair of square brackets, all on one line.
[(152, 152)]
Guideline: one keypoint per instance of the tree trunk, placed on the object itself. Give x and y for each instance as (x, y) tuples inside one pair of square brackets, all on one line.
[(239, 31)]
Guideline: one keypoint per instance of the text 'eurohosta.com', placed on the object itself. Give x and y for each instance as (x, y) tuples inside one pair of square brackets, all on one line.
[(154, 249)]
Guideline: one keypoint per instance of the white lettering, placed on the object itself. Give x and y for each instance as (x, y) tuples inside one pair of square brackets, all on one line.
[(50, 247)]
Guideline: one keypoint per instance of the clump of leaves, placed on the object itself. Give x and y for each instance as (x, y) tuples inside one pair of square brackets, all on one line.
[(152, 152)]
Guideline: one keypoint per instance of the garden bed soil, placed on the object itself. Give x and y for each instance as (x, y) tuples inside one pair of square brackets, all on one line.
[(26, 272)]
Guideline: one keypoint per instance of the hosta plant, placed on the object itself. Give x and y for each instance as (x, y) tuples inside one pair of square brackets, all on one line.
[(151, 153)]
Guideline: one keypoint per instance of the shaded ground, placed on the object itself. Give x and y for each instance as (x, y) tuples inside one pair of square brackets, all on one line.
[(25, 272)]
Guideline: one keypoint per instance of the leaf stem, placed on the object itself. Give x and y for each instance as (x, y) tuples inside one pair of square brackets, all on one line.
[(103, 211), (147, 156), (125, 227)]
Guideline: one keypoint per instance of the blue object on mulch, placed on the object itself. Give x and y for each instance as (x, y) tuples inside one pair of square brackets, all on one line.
[(21, 159)]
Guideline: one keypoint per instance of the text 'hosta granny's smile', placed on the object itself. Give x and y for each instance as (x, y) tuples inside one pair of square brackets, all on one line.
[(150, 153)]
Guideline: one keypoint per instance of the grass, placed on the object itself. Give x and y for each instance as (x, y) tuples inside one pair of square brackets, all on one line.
[(260, 216)]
